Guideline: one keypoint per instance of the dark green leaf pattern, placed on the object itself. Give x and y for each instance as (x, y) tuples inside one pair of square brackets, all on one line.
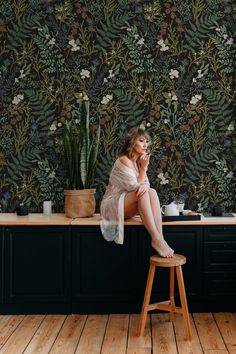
[(21, 163), (110, 30), (167, 66), (22, 30), (199, 31), (220, 110), (199, 164), (130, 109), (41, 111)]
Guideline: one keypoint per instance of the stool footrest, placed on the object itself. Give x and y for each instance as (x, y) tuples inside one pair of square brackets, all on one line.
[(164, 306)]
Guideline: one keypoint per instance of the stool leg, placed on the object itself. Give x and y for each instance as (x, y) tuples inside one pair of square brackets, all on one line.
[(183, 300), (172, 291), (146, 299)]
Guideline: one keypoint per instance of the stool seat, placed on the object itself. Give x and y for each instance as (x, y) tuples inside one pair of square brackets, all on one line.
[(176, 260), (175, 265)]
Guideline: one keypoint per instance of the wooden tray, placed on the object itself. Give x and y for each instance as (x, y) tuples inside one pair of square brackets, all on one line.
[(181, 217)]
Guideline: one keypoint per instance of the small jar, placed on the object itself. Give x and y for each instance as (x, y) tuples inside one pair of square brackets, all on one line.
[(22, 210)]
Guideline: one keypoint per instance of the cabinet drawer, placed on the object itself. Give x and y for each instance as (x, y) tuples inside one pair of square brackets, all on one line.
[(220, 233), (220, 283), (220, 256)]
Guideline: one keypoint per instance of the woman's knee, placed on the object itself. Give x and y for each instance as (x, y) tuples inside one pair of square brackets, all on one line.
[(152, 192), (153, 195)]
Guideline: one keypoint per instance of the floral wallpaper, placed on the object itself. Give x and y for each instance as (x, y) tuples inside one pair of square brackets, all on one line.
[(165, 65)]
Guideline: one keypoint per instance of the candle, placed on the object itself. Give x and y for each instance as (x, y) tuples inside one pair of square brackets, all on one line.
[(47, 207)]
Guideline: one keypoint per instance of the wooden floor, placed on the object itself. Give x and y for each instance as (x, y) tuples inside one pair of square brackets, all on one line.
[(213, 333)]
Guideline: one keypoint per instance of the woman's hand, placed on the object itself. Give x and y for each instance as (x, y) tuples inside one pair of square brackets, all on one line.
[(144, 161), (143, 188)]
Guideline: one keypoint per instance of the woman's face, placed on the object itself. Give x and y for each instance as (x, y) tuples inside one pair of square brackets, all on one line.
[(141, 145)]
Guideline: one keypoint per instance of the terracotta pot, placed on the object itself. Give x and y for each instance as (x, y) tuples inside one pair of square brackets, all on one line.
[(79, 203)]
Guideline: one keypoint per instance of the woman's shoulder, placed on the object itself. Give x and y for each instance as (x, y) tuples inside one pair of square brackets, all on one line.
[(126, 161)]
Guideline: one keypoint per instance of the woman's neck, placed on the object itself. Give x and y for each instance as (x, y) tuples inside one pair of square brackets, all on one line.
[(134, 161), (134, 158)]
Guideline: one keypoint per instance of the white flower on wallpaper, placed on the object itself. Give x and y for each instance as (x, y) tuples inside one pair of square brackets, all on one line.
[(74, 46), (163, 179), (106, 99), (163, 46), (174, 74), (17, 99), (173, 97), (195, 99), (85, 74)]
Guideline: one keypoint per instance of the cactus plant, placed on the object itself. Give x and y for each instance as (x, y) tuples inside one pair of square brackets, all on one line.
[(80, 151)]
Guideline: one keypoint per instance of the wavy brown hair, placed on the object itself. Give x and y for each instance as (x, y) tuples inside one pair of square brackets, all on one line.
[(131, 137)]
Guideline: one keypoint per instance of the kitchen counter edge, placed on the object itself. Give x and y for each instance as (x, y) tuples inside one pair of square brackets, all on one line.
[(7, 219)]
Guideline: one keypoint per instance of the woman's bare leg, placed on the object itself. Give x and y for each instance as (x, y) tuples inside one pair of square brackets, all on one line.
[(156, 209), (143, 205)]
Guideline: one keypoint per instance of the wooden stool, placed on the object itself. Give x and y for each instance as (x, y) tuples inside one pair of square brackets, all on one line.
[(173, 263)]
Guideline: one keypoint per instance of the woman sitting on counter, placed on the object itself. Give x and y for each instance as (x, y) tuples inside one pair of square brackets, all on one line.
[(128, 194)]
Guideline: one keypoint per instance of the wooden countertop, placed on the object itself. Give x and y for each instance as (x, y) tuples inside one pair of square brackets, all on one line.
[(34, 219), (61, 219)]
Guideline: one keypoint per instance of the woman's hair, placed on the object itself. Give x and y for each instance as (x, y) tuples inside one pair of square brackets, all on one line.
[(131, 137)]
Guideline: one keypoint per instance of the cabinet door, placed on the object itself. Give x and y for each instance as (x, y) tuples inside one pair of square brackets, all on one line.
[(104, 273), (37, 269), (185, 240)]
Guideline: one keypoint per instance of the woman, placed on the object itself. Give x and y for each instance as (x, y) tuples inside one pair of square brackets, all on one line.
[(129, 193)]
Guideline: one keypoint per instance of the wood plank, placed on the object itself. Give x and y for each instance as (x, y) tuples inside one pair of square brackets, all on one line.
[(227, 325), (69, 335), (186, 346), (45, 335), (115, 340), (22, 335), (93, 334), (134, 340), (208, 332), (8, 324), (215, 351), (139, 351), (163, 337)]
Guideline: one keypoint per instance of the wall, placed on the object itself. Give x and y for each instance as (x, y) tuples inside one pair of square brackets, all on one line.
[(165, 65)]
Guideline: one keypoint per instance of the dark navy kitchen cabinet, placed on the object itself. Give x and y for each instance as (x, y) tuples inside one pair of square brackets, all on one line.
[(105, 275), (219, 266), (37, 269), (72, 269)]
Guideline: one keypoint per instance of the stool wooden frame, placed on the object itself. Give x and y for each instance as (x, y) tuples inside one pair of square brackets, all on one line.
[(175, 264)]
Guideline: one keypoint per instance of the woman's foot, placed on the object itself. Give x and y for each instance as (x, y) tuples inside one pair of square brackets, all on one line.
[(162, 248)]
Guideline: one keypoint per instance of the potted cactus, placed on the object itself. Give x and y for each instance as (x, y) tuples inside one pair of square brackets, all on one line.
[(80, 146)]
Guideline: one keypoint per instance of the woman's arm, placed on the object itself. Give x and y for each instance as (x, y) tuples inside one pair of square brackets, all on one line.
[(143, 166), (142, 176)]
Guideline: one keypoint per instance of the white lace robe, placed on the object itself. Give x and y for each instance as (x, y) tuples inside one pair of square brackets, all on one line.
[(122, 180)]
